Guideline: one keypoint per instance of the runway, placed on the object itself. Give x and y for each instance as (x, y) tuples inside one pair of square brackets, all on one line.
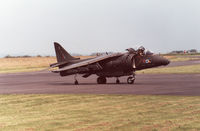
[(145, 84)]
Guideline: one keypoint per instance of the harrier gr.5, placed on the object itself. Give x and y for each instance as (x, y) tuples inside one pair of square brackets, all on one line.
[(107, 65)]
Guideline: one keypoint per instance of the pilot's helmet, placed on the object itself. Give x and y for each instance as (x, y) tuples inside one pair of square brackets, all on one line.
[(141, 48)]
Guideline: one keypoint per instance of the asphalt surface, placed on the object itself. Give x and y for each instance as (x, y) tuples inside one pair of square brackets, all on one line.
[(145, 84)]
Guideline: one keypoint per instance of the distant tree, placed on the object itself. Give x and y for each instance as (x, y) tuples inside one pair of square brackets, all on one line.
[(8, 56), (25, 56)]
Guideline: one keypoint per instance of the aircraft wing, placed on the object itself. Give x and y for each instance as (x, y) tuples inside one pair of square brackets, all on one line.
[(88, 62)]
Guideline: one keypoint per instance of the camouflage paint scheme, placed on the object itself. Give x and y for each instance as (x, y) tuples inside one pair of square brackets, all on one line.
[(107, 65)]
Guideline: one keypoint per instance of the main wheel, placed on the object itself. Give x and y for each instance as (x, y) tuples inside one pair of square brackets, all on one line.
[(101, 80), (130, 80)]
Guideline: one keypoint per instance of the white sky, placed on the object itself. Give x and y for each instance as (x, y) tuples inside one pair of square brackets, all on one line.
[(86, 26)]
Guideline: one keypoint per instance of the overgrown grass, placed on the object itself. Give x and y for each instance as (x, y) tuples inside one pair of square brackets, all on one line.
[(12, 65), (173, 70), (98, 112)]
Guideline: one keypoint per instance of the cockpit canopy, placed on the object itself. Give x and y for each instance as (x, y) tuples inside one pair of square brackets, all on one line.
[(140, 51), (148, 52)]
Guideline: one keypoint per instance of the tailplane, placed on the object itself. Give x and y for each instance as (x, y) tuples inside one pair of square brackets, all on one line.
[(61, 54)]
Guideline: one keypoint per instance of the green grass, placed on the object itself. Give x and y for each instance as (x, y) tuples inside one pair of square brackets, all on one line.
[(98, 112), (190, 69), (176, 58)]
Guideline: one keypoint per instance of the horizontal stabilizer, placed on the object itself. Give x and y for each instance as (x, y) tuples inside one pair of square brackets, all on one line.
[(58, 64)]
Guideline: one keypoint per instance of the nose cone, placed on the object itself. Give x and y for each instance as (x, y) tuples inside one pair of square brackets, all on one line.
[(159, 60), (165, 61)]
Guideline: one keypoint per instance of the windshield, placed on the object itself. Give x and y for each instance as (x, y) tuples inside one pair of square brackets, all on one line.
[(148, 52)]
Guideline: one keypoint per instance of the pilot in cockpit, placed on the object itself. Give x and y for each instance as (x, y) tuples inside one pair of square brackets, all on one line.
[(141, 51)]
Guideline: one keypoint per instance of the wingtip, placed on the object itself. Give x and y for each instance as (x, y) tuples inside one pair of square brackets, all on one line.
[(55, 71)]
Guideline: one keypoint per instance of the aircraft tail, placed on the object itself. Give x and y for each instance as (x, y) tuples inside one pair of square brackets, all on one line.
[(61, 54)]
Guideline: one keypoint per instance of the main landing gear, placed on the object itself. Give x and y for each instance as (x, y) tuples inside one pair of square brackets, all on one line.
[(117, 81), (101, 80)]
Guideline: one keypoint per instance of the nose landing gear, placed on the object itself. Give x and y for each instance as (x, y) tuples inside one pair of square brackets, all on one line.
[(131, 79)]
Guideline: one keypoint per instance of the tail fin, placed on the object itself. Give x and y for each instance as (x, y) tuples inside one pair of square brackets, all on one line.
[(61, 54)]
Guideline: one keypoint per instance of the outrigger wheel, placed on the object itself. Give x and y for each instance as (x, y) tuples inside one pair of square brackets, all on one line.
[(101, 80), (76, 82)]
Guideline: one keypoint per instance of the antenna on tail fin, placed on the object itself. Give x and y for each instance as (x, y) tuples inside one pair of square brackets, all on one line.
[(61, 54)]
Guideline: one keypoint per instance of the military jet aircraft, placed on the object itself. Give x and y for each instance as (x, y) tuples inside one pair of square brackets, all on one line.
[(107, 65)]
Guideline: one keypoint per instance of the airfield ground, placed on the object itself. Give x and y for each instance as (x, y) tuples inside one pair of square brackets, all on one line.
[(43, 101)]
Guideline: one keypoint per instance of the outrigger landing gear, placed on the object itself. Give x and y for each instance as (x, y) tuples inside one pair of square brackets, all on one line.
[(117, 81), (131, 79), (101, 80), (76, 81)]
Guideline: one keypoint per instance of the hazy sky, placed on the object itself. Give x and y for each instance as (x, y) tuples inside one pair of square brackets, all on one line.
[(86, 26)]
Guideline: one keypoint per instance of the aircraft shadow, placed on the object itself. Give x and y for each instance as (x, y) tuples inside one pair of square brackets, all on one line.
[(72, 84)]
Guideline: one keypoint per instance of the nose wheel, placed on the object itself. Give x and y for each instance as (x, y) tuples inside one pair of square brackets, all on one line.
[(101, 80), (131, 79)]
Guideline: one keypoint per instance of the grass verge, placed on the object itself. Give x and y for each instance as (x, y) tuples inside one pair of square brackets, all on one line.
[(13, 65), (98, 112)]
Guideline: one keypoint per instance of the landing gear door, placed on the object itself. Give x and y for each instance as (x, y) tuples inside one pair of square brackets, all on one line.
[(133, 60)]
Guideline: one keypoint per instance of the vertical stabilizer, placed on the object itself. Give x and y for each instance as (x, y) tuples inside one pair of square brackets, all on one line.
[(61, 54)]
